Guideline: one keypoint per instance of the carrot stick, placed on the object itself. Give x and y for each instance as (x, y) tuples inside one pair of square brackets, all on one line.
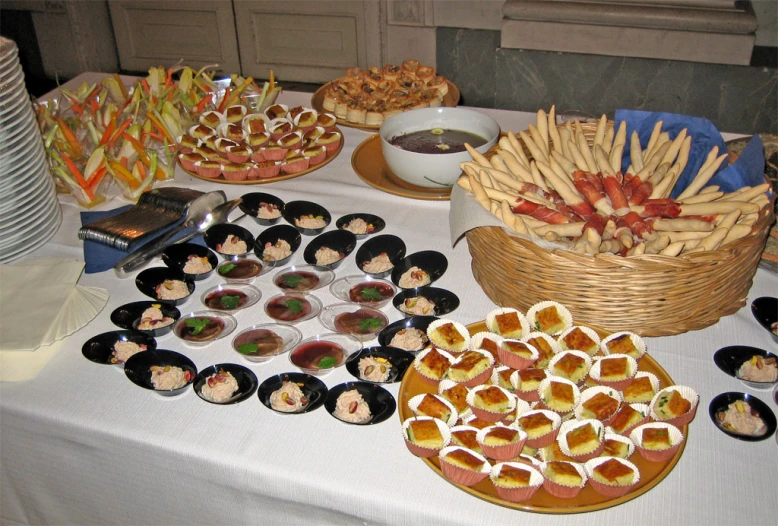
[(140, 168), (121, 85), (201, 105), (70, 138), (123, 173), (79, 177), (118, 133), (108, 133), (145, 84), (224, 100), (96, 178), (97, 173)]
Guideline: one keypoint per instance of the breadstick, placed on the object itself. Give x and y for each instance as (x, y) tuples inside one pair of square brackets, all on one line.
[(611, 246), (615, 157), (562, 229), (477, 156), (534, 149), (637, 250), (673, 249), (497, 162), (568, 192), (517, 149), (494, 208), (747, 193), (735, 233), (565, 137), (711, 188), (577, 157), (686, 236), (583, 147), (675, 147), (703, 197), (507, 146), (542, 120), (656, 245), (663, 138), (650, 164), (603, 162), (635, 152), (507, 214), (479, 191), (607, 142), (538, 138), (553, 131), (702, 177), (599, 135), (714, 239), (536, 177), (684, 225), (652, 139), (515, 168), (728, 220), (561, 172), (565, 163)]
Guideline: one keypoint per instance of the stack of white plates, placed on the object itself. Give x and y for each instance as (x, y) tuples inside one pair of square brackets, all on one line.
[(29, 210)]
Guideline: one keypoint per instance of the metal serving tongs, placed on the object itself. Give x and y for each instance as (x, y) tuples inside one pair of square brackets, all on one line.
[(200, 217)]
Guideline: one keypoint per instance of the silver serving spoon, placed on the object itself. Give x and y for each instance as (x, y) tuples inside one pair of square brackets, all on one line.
[(199, 218)]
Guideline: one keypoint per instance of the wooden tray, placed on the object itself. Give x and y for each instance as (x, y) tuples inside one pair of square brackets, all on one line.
[(651, 473), (450, 99), (280, 177), (369, 164)]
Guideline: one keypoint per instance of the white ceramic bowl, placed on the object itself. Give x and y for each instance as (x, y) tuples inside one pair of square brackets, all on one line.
[(434, 170)]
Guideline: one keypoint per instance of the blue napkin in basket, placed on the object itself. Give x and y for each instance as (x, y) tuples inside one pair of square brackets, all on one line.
[(748, 170), (99, 257)]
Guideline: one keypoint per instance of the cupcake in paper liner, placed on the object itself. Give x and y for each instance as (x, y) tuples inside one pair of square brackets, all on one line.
[(580, 338), (657, 441), (549, 317), (507, 322), (581, 440), (628, 417), (546, 346), (599, 403), (486, 341), (471, 368), (676, 405), (432, 364), (541, 426), (559, 395), (463, 466), (501, 442), (425, 436), (502, 376), (474, 421), (624, 342), (612, 477), (553, 452), (449, 335), (457, 395), (642, 389), (517, 354), (521, 408), (524, 458), (490, 402), (614, 371), (617, 446), (515, 481), (465, 436), (572, 365), (563, 479), (434, 406), (526, 382)]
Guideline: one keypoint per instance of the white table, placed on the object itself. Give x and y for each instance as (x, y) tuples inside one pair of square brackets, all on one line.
[(80, 444)]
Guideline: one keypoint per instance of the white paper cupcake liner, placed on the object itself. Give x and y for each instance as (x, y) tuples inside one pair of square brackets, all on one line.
[(564, 314), (438, 342), (491, 322), (413, 405), (581, 376), (591, 333)]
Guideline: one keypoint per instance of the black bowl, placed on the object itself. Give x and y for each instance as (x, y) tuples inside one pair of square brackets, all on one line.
[(138, 368), (296, 209), (380, 401), (217, 234), (148, 281), (765, 310), (417, 322), (312, 387), (377, 223), (341, 241), (444, 300), (128, 316), (729, 359), (432, 262), (176, 257), (247, 382), (251, 203), (272, 235), (393, 246), (399, 359), (99, 349), (721, 403)]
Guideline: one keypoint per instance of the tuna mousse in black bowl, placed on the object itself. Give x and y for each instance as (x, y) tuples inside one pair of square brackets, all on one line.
[(149, 317), (165, 284), (330, 249), (323, 353), (266, 209), (165, 372), (196, 261), (379, 255), (308, 218), (419, 269), (277, 244)]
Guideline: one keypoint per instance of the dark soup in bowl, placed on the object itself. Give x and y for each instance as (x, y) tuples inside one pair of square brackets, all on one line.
[(437, 140)]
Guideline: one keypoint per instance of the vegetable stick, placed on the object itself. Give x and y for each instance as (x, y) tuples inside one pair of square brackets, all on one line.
[(553, 131), (599, 134), (583, 147), (652, 139), (635, 152), (534, 149), (542, 120), (517, 149), (702, 177)]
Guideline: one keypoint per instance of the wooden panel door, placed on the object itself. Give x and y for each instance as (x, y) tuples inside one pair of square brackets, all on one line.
[(307, 41), (162, 33)]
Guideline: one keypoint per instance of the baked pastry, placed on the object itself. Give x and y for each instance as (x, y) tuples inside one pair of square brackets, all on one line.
[(582, 439), (512, 477), (577, 339), (549, 320), (656, 438), (529, 379), (536, 424), (599, 407), (559, 396), (623, 344), (613, 369), (563, 473), (433, 364), (467, 366), (463, 459), (492, 399), (508, 324), (490, 346), (641, 390), (613, 472), (431, 405), (545, 350), (570, 366), (504, 378), (615, 448), (500, 436), (671, 404), (518, 348), (457, 395), (553, 452), (626, 418), (425, 433), (466, 438), (447, 336)]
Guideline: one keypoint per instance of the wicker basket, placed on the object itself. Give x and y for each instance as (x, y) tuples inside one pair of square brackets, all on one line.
[(651, 295)]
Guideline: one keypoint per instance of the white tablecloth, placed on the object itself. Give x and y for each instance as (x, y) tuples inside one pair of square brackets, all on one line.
[(80, 444)]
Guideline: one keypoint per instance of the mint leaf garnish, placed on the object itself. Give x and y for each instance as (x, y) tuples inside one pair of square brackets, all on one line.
[(327, 362), (226, 269), (370, 324), (229, 302), (291, 280), (371, 293), (197, 324), (248, 348), (296, 306)]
